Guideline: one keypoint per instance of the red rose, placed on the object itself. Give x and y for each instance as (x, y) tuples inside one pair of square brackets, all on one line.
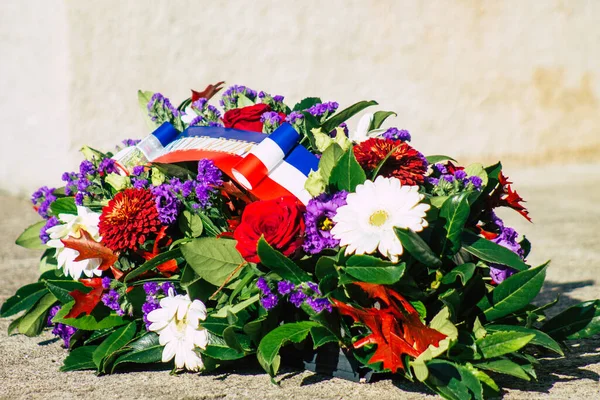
[(247, 118), (280, 221)]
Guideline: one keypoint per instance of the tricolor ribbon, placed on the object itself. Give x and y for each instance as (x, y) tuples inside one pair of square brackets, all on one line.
[(268, 166)]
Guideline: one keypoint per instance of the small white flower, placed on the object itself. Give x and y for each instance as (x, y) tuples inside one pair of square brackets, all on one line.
[(366, 222), (71, 226), (362, 131), (177, 324), (189, 114)]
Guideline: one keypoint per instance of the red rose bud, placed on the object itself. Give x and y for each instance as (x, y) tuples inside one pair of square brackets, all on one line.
[(280, 221), (246, 118)]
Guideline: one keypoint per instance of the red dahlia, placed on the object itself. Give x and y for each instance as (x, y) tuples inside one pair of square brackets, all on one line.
[(403, 162), (128, 219)]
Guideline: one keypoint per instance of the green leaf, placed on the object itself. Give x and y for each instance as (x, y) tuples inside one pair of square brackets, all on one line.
[(463, 271), (48, 262), (329, 159), (213, 259), (478, 170), (438, 158), (143, 100), (222, 313), (222, 352), (244, 101), (280, 264), (504, 342), (190, 224), (325, 266), (153, 263), (379, 117), (306, 103), (217, 325), (347, 173), (491, 252), (417, 247), (23, 299), (145, 350), (61, 289), (87, 322), (321, 336), (577, 322), (30, 238), (506, 367), (540, 338), (35, 320), (117, 340), (453, 381), (455, 211), (79, 359), (268, 349), (64, 205), (513, 293), (345, 114), (374, 270)]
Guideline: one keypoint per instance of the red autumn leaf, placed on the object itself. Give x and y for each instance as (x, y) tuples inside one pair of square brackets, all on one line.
[(86, 302), (167, 268), (395, 327), (207, 93), (88, 248), (504, 195)]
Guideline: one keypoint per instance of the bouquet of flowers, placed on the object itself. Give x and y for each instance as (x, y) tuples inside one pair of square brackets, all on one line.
[(230, 233)]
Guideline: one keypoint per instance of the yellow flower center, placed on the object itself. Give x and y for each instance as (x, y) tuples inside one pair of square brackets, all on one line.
[(378, 218), (326, 224)]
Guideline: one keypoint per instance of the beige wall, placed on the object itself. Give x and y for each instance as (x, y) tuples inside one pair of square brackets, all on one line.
[(480, 80)]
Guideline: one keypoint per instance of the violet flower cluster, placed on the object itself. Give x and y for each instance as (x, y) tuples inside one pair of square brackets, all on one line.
[(153, 291), (271, 121), (41, 199), (232, 94), (65, 332), (161, 110), (507, 237), (448, 183), (112, 299), (297, 295), (208, 115), (319, 221), (295, 118), (275, 102), (323, 110), (397, 134)]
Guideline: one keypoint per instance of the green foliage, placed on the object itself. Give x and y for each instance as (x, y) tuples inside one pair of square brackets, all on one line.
[(455, 212), (374, 270), (153, 263), (63, 205), (345, 114), (438, 158), (306, 103), (503, 342), (347, 174), (88, 322), (417, 247), (280, 264), (145, 350), (115, 342), (24, 299), (34, 320), (30, 238), (212, 259), (491, 252), (79, 359), (379, 118), (540, 338), (576, 322)]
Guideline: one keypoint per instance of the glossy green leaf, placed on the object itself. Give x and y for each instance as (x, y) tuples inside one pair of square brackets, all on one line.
[(79, 359), (455, 211), (61, 289), (321, 336), (330, 157), (347, 174), (438, 158), (379, 117), (222, 313), (222, 352), (87, 322), (306, 103), (214, 260), (464, 272), (30, 238), (514, 293), (268, 349), (23, 299), (153, 263), (117, 340), (325, 266), (280, 264), (374, 270), (35, 320), (540, 338), (503, 342), (345, 114), (577, 322), (417, 247), (63, 205), (190, 224), (149, 355), (506, 367), (453, 381), (491, 252)]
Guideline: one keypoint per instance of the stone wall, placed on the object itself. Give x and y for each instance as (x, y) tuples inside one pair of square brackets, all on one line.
[(511, 80)]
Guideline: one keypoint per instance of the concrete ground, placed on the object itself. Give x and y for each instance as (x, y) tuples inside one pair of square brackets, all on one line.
[(563, 202)]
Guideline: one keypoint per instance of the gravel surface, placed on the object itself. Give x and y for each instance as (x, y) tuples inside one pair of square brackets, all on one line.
[(563, 202)]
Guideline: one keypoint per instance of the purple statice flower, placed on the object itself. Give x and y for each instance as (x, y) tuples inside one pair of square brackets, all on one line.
[(263, 286), (65, 332), (208, 173), (278, 98), (83, 183), (79, 198), (397, 134), (198, 121), (319, 221), (160, 109), (476, 182), (212, 113), (106, 282), (432, 180), (52, 313), (147, 308), (138, 183), (107, 166), (319, 304), (295, 118), (151, 288), (271, 121), (166, 286), (448, 178), (231, 95), (215, 123), (167, 203), (314, 287), (297, 298), (269, 301), (111, 300), (86, 168), (130, 142), (200, 104), (323, 110), (138, 170), (41, 199), (184, 189), (53, 221), (285, 287), (460, 174), (507, 238), (71, 182), (441, 168)]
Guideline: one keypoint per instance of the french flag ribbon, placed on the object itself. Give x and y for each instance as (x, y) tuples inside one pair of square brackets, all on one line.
[(269, 166)]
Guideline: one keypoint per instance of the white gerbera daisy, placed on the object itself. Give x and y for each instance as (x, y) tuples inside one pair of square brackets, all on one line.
[(177, 323), (72, 225), (366, 222)]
